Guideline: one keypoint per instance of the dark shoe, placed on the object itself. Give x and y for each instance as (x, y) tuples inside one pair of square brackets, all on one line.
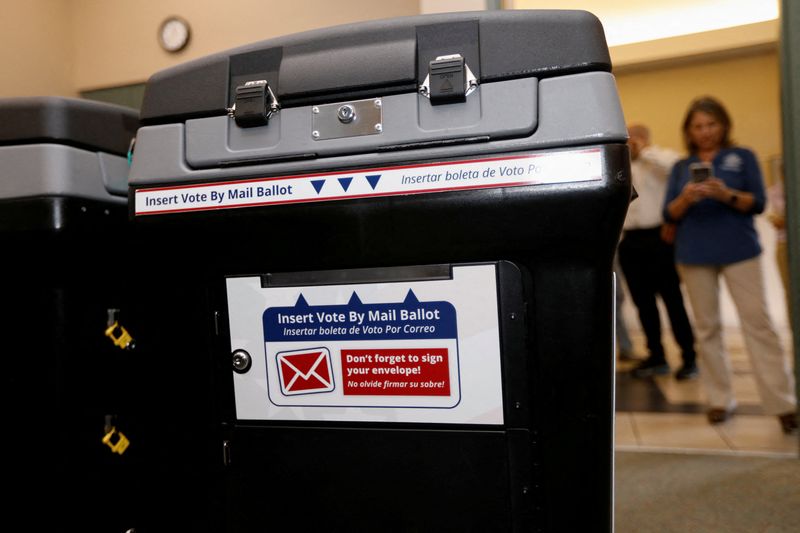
[(716, 415), (650, 367), (687, 371), (788, 422)]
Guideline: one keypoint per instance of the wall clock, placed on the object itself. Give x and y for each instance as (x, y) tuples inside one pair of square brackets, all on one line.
[(173, 34)]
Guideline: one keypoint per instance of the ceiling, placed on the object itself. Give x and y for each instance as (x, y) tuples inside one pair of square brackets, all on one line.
[(635, 21)]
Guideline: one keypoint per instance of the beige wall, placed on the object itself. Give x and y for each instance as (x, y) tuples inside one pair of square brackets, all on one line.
[(749, 86), (35, 55), (115, 40)]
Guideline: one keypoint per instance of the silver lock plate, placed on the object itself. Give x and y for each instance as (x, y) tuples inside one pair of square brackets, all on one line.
[(347, 119)]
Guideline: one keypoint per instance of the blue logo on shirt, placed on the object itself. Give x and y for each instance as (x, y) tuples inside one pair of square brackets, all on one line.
[(732, 163)]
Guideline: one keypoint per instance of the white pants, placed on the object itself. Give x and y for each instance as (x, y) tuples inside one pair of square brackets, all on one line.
[(746, 284)]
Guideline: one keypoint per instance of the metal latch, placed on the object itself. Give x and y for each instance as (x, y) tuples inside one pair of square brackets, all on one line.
[(113, 438), (449, 80), (118, 334), (254, 104)]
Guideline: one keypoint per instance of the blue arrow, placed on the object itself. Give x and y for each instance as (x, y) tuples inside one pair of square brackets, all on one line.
[(317, 185), (354, 299), (411, 298), (345, 182), (373, 180), (301, 301)]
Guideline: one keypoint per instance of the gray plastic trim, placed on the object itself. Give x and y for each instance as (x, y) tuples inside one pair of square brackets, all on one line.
[(494, 110), (573, 110), (33, 170), (115, 173)]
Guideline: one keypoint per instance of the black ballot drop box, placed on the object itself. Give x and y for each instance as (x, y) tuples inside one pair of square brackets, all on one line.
[(63, 218), (373, 278)]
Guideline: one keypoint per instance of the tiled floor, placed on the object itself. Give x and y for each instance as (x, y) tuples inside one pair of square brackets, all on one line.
[(662, 414)]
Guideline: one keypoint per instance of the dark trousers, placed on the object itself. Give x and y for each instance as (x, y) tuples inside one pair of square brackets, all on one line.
[(648, 264)]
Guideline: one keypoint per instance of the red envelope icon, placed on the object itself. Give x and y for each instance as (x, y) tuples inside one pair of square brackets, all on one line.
[(305, 371)]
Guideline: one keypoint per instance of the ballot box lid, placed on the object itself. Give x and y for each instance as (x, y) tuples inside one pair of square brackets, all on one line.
[(379, 58), (85, 124)]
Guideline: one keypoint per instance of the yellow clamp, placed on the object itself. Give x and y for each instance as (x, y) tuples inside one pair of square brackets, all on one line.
[(123, 339), (121, 443)]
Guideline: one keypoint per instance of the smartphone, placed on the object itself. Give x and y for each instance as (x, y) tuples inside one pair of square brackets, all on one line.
[(700, 172)]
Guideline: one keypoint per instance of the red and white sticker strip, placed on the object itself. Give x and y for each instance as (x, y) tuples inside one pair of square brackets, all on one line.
[(515, 171)]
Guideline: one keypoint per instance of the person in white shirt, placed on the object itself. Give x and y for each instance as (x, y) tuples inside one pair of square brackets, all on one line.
[(648, 260), (777, 216)]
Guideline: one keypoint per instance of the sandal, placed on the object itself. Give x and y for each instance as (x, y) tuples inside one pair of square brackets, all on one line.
[(788, 422), (716, 415)]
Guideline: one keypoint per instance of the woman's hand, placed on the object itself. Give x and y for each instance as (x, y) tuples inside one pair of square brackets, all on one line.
[(692, 193), (716, 189)]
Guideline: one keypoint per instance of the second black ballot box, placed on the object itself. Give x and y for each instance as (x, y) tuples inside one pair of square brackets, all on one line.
[(64, 250)]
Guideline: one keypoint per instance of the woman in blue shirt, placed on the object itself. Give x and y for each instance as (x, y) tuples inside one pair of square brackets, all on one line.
[(716, 237)]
